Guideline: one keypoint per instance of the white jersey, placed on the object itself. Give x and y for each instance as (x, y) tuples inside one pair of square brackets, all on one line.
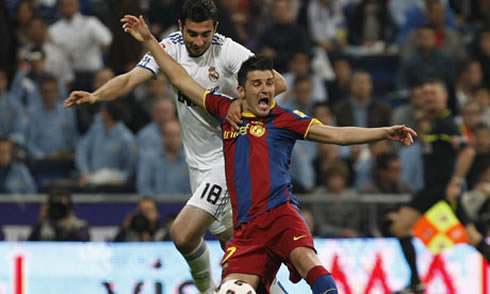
[(215, 70)]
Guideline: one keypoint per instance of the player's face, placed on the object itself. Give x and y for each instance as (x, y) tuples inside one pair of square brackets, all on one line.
[(197, 35), (259, 92)]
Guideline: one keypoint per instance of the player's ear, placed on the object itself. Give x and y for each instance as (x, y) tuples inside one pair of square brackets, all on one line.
[(181, 26), (241, 91), (216, 26)]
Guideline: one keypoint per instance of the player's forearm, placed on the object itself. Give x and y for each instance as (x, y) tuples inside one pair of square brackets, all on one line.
[(463, 164), (114, 88), (177, 75), (346, 135)]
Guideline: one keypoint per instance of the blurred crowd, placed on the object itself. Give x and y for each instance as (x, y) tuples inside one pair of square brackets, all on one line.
[(346, 62)]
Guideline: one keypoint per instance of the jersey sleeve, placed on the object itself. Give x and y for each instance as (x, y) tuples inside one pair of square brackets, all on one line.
[(234, 55), (148, 61), (296, 123), (216, 104)]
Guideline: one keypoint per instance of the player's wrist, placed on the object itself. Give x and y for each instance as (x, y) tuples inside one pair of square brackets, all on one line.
[(94, 99)]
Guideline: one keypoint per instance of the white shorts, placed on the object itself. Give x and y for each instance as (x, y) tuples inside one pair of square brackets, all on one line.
[(210, 194)]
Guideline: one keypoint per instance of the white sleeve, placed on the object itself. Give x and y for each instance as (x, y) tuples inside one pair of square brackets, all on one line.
[(233, 55), (100, 32), (149, 62)]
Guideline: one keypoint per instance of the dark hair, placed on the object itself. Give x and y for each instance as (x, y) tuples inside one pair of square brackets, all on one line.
[(300, 79), (199, 11), (46, 77), (384, 159), (337, 169), (252, 64), (433, 80), (114, 109), (425, 27)]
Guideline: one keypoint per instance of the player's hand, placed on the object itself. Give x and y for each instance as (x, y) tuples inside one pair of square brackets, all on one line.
[(234, 114), (79, 97), (136, 27), (401, 134)]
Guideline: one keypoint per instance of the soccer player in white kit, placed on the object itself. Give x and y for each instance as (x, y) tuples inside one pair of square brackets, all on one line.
[(213, 61)]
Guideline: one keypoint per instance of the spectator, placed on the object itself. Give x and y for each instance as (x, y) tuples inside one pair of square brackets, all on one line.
[(58, 222), (143, 225), (326, 156), (482, 96), (477, 201), (123, 52), (323, 113), (302, 98), (149, 139), (12, 122), (299, 66), (387, 177), (153, 90), (483, 54), (165, 172), (14, 176), (365, 163), (283, 37), (481, 145), (361, 109), (470, 117), (339, 87), (416, 15), (51, 130), (25, 85), (7, 46), (406, 114), (337, 219), (108, 148), (470, 77), (56, 61), (24, 12), (411, 157), (446, 39), (85, 115), (327, 24), (425, 62), (371, 22), (84, 39)]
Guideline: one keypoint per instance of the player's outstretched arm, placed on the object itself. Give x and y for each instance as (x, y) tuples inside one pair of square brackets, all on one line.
[(114, 88), (174, 71), (354, 135)]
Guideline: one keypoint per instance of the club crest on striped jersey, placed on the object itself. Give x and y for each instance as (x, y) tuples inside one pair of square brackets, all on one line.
[(257, 130), (213, 74)]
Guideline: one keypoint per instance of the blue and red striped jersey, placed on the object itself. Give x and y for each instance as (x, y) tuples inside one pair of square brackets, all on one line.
[(258, 155)]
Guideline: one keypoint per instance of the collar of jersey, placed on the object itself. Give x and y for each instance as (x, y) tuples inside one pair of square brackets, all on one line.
[(249, 114)]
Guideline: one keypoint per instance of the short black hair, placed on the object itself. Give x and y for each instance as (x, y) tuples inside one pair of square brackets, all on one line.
[(300, 79), (114, 109), (384, 159), (47, 78), (434, 80), (199, 11), (252, 64)]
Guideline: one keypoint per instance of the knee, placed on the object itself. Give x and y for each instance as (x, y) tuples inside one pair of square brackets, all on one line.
[(183, 240)]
